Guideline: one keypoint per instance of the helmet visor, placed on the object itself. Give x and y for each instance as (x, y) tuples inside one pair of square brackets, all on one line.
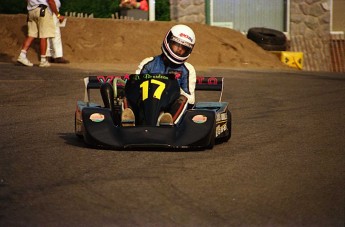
[(180, 47)]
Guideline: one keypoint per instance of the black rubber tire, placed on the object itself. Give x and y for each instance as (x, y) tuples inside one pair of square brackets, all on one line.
[(213, 139), (229, 125), (266, 36), (75, 127), (270, 47)]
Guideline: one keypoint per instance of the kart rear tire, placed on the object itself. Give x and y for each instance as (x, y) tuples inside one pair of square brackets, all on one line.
[(75, 127), (213, 138), (212, 142), (228, 124)]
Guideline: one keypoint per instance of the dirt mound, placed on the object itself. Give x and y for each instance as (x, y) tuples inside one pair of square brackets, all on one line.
[(118, 42)]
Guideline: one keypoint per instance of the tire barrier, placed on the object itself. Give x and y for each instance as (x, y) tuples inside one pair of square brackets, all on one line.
[(268, 39)]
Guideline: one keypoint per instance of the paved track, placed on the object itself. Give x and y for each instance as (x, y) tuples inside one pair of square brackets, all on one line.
[(284, 165)]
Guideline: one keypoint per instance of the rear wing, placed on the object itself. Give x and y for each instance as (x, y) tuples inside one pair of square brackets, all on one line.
[(210, 84), (95, 82), (202, 83)]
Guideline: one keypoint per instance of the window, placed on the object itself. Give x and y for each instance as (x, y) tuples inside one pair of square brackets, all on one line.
[(241, 15)]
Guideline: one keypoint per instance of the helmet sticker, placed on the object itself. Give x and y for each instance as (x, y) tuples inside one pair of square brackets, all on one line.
[(186, 36)]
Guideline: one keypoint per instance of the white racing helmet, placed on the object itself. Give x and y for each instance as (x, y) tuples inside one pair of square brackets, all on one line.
[(182, 36)]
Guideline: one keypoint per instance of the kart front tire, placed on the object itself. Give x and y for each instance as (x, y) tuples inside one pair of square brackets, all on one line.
[(75, 127), (212, 143), (229, 124)]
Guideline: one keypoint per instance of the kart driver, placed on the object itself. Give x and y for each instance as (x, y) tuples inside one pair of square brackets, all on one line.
[(176, 49)]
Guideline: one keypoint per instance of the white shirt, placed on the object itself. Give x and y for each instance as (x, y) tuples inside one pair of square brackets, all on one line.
[(33, 4), (58, 4)]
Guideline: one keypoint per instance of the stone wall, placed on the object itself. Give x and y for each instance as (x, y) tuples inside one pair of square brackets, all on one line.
[(187, 11), (309, 27), (310, 32)]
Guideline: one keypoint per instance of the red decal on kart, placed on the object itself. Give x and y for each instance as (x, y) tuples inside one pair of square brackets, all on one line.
[(109, 79), (199, 80), (105, 79), (126, 77), (212, 81)]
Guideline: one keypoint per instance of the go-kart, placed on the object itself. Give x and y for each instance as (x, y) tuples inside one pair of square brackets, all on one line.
[(200, 127)]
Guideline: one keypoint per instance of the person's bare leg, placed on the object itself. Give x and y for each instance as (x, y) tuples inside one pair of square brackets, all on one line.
[(27, 43), (43, 46), (43, 50), (22, 57)]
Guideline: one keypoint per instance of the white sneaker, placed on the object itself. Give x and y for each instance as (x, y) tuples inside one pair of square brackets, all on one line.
[(44, 64), (165, 119), (127, 117), (24, 61)]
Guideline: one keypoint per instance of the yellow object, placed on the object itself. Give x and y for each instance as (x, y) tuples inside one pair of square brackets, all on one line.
[(292, 59)]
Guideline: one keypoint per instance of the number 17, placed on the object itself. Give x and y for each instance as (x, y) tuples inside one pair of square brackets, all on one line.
[(158, 92)]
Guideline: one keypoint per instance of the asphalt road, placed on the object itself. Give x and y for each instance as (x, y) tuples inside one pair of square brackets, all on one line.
[(284, 165)]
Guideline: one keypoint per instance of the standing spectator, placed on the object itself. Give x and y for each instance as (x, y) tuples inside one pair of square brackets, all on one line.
[(40, 25), (54, 45), (135, 4)]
